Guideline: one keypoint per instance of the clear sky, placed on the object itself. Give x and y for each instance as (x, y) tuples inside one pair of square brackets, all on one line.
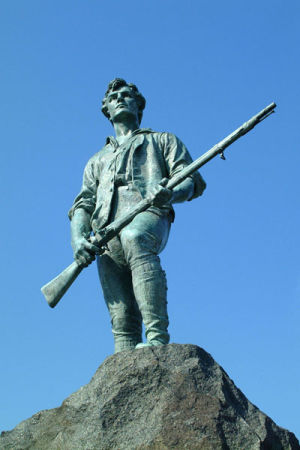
[(232, 260)]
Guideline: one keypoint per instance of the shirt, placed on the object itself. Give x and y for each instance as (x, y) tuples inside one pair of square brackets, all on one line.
[(142, 161)]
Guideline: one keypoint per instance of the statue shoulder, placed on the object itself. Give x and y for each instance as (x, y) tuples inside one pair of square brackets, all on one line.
[(164, 137), (168, 139), (93, 164), (99, 154)]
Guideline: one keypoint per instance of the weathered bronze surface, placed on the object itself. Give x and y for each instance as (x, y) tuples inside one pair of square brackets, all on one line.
[(124, 212), (127, 170)]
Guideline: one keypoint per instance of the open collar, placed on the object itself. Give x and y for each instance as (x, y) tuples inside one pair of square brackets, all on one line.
[(111, 140)]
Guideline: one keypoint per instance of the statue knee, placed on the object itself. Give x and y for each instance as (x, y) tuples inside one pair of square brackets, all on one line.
[(135, 244), (132, 237)]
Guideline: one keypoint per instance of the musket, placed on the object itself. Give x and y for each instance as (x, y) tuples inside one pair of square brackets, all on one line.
[(56, 288)]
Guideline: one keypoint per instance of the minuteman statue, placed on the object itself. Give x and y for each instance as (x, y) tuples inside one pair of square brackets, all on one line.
[(126, 170)]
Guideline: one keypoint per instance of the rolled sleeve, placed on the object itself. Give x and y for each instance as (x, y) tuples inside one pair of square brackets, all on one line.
[(177, 157), (86, 199)]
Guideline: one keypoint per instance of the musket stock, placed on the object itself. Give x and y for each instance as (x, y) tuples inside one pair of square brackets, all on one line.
[(56, 288)]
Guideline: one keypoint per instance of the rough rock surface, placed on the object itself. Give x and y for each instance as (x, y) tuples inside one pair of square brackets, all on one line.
[(174, 396)]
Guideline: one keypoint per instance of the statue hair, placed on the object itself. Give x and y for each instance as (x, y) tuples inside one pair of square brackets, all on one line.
[(116, 84)]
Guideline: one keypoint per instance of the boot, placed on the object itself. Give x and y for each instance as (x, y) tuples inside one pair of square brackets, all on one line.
[(123, 343)]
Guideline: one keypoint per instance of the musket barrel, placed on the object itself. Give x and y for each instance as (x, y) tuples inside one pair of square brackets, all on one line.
[(190, 169), (221, 146)]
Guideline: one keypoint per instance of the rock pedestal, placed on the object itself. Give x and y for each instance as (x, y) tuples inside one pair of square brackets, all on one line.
[(173, 396)]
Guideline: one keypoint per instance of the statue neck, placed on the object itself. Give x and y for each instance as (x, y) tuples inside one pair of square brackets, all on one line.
[(124, 129)]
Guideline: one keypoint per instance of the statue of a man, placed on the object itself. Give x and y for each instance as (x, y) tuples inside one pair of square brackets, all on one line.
[(126, 170)]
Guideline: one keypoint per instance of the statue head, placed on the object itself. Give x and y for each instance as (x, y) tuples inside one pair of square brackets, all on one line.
[(117, 84)]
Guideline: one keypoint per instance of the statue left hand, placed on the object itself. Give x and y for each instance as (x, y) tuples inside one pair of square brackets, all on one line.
[(161, 196)]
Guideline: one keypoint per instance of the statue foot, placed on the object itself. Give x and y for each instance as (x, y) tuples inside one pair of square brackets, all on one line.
[(149, 344)]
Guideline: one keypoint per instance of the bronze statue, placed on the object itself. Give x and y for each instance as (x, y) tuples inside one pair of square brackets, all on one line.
[(124, 212), (129, 168)]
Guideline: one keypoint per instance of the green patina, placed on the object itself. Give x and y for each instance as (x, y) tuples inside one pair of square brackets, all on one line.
[(127, 170)]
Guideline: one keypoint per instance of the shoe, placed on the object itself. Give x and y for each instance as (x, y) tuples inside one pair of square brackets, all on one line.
[(149, 344)]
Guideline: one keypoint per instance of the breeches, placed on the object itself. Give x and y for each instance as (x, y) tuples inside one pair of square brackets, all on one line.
[(133, 282)]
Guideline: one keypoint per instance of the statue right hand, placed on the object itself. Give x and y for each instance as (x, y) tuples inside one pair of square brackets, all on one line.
[(84, 251)]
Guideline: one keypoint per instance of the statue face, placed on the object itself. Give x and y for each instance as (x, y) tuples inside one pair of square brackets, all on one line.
[(121, 104)]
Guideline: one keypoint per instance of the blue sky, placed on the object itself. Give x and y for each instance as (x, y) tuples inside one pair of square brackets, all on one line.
[(232, 260)]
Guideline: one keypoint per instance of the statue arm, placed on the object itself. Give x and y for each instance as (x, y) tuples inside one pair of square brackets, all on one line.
[(181, 193), (184, 191), (80, 216), (86, 199), (176, 158), (84, 251)]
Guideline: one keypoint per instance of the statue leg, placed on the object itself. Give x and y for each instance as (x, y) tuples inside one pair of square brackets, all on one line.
[(117, 289), (142, 240)]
